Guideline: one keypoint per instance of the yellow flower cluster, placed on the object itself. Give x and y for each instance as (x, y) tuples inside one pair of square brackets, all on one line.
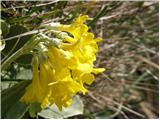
[(62, 75)]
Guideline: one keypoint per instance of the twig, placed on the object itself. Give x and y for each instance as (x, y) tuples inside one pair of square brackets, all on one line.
[(93, 97), (82, 6), (148, 61), (154, 76), (147, 111), (24, 34), (121, 112), (104, 10), (117, 112), (39, 5), (147, 89), (116, 103), (107, 77), (130, 81)]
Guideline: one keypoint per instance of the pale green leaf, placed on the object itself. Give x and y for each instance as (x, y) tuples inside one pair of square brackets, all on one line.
[(75, 109)]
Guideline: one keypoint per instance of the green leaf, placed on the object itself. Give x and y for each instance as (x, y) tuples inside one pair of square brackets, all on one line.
[(2, 45), (52, 111), (25, 59), (17, 110), (34, 108), (4, 27), (15, 44), (11, 107)]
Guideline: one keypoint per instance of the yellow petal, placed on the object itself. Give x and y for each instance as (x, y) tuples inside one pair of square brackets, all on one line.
[(98, 70), (87, 78), (98, 39), (81, 19)]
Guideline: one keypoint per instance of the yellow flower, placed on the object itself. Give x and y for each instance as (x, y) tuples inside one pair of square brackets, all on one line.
[(77, 28), (51, 84), (83, 46), (62, 92), (66, 69), (33, 94)]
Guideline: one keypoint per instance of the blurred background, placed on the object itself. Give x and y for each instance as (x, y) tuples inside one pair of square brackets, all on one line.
[(129, 88)]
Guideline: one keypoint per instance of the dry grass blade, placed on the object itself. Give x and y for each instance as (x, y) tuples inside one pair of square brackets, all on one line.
[(24, 34), (38, 5), (147, 111), (118, 111), (148, 62), (116, 103)]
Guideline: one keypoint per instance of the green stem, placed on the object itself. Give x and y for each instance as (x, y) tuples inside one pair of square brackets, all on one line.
[(24, 50), (14, 56)]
